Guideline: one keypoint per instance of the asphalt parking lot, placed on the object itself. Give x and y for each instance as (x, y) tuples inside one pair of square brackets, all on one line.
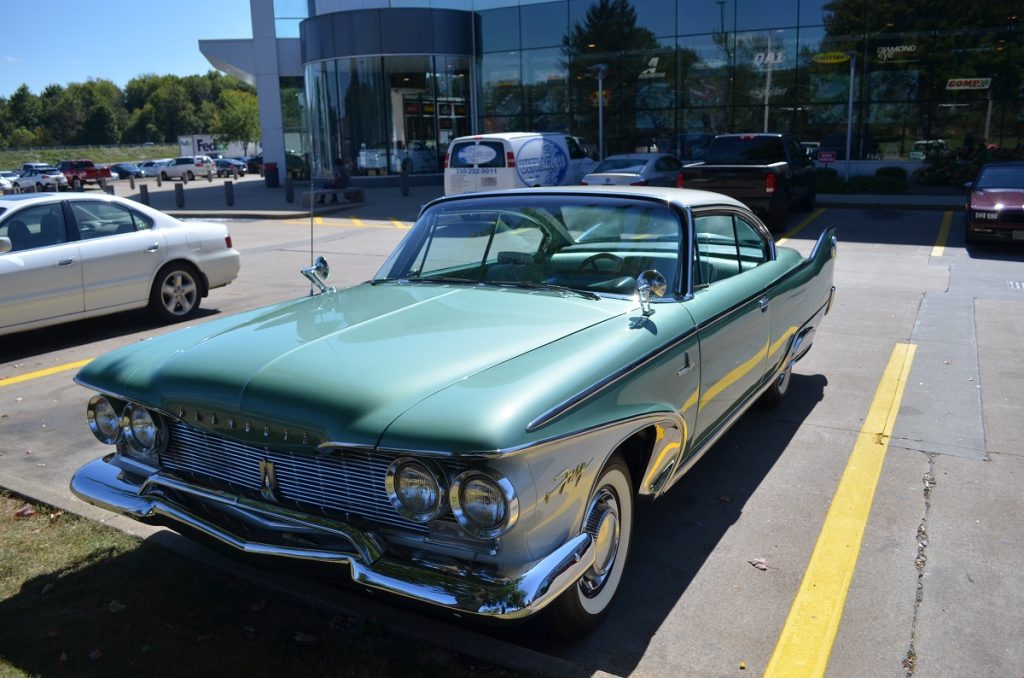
[(869, 526)]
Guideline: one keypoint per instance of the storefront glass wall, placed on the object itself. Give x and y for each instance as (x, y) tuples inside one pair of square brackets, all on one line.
[(386, 115), (678, 70)]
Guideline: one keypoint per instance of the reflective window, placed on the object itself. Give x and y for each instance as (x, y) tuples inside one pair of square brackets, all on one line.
[(501, 84), (545, 85), (499, 29), (543, 25), (758, 14), (706, 16)]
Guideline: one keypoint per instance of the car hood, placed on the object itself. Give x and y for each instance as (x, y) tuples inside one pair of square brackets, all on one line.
[(340, 366), (988, 198)]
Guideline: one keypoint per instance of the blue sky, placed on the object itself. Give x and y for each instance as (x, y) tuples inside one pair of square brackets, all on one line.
[(63, 42)]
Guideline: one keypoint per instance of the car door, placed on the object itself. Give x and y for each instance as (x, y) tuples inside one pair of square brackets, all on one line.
[(41, 277), (120, 251), (730, 306)]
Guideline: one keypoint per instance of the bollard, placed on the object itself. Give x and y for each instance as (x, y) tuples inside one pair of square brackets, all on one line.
[(158, 182), (289, 190), (234, 172), (209, 174), (179, 194), (403, 182), (108, 189), (184, 178), (144, 194), (229, 193), (131, 181)]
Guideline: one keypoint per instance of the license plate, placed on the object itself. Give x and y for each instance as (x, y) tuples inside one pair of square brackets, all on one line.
[(489, 181), (1018, 235)]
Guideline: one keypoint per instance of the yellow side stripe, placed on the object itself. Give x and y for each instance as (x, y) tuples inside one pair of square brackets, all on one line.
[(10, 381), (940, 242), (810, 630)]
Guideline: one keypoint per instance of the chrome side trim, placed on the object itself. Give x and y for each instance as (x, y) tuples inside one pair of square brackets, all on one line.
[(512, 596), (571, 403)]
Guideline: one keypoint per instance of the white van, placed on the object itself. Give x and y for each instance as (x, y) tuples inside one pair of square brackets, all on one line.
[(489, 162)]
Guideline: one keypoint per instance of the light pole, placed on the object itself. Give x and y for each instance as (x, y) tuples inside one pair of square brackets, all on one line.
[(600, 69), (849, 113)]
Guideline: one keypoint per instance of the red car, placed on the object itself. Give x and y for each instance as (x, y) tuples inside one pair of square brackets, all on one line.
[(995, 203)]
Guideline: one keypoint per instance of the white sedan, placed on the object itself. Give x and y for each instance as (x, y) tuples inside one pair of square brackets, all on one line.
[(42, 179), (65, 257)]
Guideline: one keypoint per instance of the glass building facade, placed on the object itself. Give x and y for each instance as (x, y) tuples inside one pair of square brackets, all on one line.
[(390, 83)]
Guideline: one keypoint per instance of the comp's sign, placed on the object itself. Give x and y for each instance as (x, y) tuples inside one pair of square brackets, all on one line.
[(968, 83), (830, 58), (542, 162)]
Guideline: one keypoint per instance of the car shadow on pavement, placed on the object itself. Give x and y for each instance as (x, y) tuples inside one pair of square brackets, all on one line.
[(32, 343), (996, 251), (675, 535)]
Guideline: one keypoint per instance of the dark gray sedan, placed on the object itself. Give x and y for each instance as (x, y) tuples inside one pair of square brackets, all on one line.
[(636, 169)]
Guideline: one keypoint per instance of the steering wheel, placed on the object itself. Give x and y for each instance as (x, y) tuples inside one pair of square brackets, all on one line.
[(591, 261)]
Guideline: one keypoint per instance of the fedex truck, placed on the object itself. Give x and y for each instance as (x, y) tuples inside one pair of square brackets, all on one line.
[(205, 144)]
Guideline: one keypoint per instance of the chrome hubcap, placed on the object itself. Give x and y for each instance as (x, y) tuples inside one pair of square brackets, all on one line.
[(179, 293), (603, 527)]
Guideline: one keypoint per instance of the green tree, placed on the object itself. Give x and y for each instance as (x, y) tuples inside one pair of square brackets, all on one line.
[(24, 108), (101, 125), (238, 118), (173, 111)]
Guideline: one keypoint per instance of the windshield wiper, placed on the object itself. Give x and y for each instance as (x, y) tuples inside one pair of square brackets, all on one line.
[(433, 279), (547, 286)]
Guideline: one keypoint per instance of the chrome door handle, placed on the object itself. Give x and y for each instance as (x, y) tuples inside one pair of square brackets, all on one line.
[(687, 365), (66, 262), (154, 247), (763, 304)]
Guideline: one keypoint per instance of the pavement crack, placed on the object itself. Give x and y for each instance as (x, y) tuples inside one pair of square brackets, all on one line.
[(909, 662)]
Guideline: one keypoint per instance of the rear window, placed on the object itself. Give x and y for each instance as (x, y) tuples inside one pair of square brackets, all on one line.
[(482, 154), (752, 150), (613, 164)]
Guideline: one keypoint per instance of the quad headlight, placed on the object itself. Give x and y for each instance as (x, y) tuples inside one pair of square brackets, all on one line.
[(104, 421), (484, 504), (146, 434), (416, 489)]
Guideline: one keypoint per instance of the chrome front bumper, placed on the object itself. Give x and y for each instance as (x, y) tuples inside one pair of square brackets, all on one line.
[(511, 597)]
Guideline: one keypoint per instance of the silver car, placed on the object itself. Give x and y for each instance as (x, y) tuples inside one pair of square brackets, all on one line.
[(75, 255), (636, 169)]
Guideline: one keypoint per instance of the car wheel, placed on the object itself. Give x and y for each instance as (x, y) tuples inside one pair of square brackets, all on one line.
[(609, 520), (777, 391), (191, 176), (39, 187), (163, 176), (76, 183), (176, 293)]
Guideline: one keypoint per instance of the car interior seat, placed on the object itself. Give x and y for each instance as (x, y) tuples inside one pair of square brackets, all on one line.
[(21, 238)]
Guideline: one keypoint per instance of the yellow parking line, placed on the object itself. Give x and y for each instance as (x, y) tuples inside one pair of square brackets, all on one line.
[(10, 381), (806, 640), (399, 224), (940, 242), (358, 221), (801, 226)]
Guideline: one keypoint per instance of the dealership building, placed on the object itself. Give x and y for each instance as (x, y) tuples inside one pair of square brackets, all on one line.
[(385, 85)]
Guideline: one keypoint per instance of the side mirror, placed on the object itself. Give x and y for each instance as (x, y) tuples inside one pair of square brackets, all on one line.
[(5, 245), (317, 274), (650, 284)]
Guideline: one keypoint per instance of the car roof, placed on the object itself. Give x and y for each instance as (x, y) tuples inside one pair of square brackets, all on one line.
[(681, 196), (637, 156)]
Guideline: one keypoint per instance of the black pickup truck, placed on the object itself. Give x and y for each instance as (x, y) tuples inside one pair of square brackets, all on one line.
[(770, 173)]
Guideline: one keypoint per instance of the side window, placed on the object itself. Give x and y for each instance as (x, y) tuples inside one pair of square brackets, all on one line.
[(575, 150), (34, 227), (752, 246), (667, 165), (101, 219), (726, 245)]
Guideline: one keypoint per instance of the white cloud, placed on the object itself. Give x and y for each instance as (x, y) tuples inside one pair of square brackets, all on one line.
[(12, 60)]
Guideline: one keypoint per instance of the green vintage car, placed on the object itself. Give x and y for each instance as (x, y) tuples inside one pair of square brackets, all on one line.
[(471, 428)]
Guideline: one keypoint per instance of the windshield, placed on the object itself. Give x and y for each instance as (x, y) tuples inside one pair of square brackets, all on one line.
[(1001, 177), (586, 243)]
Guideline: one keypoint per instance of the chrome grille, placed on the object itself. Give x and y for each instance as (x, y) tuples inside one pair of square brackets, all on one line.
[(350, 482)]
